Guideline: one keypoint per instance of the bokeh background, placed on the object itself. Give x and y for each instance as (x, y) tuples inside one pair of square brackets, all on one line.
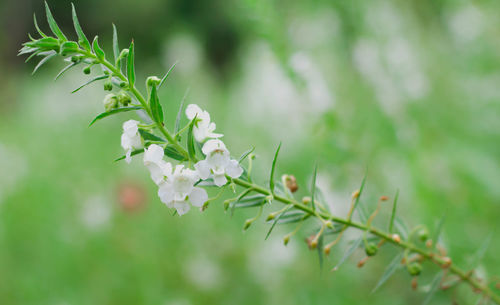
[(407, 91)]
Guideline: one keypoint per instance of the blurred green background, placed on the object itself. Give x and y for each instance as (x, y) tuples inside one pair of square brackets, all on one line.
[(408, 90)]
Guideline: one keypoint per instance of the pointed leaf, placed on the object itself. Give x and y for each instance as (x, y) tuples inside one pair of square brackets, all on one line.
[(250, 201), (349, 252), (276, 220), (90, 82), (433, 287), (167, 74), (154, 104), (319, 248), (71, 65), (292, 217), (172, 152), (271, 179), (82, 39), (99, 52), (245, 154), (53, 25), (38, 28), (313, 188), (43, 61), (116, 48), (111, 112), (393, 214), (394, 265), (147, 136), (135, 152), (130, 65), (190, 140), (356, 201)]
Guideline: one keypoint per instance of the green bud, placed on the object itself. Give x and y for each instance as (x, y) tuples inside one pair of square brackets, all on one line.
[(75, 58), (86, 70), (371, 249), (271, 216), (124, 98), (123, 84), (226, 204), (108, 86), (247, 225), (153, 81), (286, 239), (123, 54), (110, 102), (423, 234), (414, 268)]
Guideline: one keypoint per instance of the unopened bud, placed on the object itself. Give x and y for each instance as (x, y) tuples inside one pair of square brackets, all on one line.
[(329, 224), (110, 102), (312, 242), (271, 216), (122, 84), (75, 59), (414, 283), (446, 262), (124, 98), (123, 54), (414, 268), (86, 70), (362, 262), (286, 239), (371, 249), (355, 194), (153, 81), (306, 200), (396, 238), (226, 204), (327, 250), (428, 243), (290, 183), (108, 86), (423, 234), (248, 223), (384, 198)]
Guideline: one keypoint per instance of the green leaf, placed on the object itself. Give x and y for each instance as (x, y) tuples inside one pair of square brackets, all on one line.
[(190, 140), (480, 252), (271, 178), (44, 44), (349, 252), (277, 218), (172, 152), (250, 201), (394, 265), (71, 65), (313, 187), (116, 48), (393, 214), (179, 113), (362, 213), (43, 61), (38, 28), (292, 217), (130, 65), (135, 152), (69, 47), (90, 82), (111, 112), (167, 74), (245, 154), (147, 136), (154, 104), (433, 287), (53, 25), (82, 39), (97, 49), (356, 201), (319, 248)]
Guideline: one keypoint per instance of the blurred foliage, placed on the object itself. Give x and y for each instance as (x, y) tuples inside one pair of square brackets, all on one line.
[(405, 90)]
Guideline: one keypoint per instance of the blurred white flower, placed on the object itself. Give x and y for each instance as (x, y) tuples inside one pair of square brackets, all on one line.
[(153, 160), (130, 138), (203, 128), (218, 162), (178, 190)]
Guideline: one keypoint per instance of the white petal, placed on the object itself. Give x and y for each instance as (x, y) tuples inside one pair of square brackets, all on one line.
[(130, 127), (212, 145), (166, 194), (166, 168), (182, 207), (200, 134), (192, 110), (203, 169), (156, 173), (128, 155), (198, 196), (125, 141), (233, 169), (153, 154), (218, 159), (220, 180)]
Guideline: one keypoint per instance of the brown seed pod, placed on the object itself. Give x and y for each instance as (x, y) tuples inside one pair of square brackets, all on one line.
[(291, 183)]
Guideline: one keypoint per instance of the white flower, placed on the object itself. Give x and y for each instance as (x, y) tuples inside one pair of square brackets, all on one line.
[(153, 160), (130, 138), (203, 128), (218, 163), (178, 190)]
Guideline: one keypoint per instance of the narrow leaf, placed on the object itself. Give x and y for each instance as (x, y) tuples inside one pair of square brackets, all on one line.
[(271, 179), (356, 201), (250, 201), (190, 140), (276, 220), (319, 248), (43, 61), (90, 82), (71, 65), (394, 265), (130, 65), (154, 104), (147, 136), (245, 154), (111, 112), (116, 48), (171, 152), (167, 74), (313, 187), (99, 52), (349, 252), (135, 152), (433, 287), (53, 25), (480, 252), (82, 39), (393, 214), (38, 28)]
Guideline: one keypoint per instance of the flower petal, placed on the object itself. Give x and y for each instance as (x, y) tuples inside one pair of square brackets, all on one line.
[(166, 193), (153, 154), (212, 145), (198, 197), (233, 169), (220, 180), (203, 169), (182, 207), (192, 110)]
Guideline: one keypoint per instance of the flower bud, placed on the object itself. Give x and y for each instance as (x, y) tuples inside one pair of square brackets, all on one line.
[(123, 84), (153, 81), (396, 238), (384, 198), (226, 204), (290, 183), (286, 239), (86, 70), (371, 249), (414, 283), (124, 98), (355, 194), (329, 224), (75, 59), (108, 86), (271, 216), (306, 200), (423, 234), (446, 262), (110, 102), (428, 243), (312, 242), (247, 224), (123, 54), (414, 268)]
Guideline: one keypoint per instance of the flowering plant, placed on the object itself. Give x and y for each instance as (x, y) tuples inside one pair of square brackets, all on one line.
[(187, 160)]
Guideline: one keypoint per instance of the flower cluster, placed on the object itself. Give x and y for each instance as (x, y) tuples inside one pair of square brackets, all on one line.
[(176, 186)]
